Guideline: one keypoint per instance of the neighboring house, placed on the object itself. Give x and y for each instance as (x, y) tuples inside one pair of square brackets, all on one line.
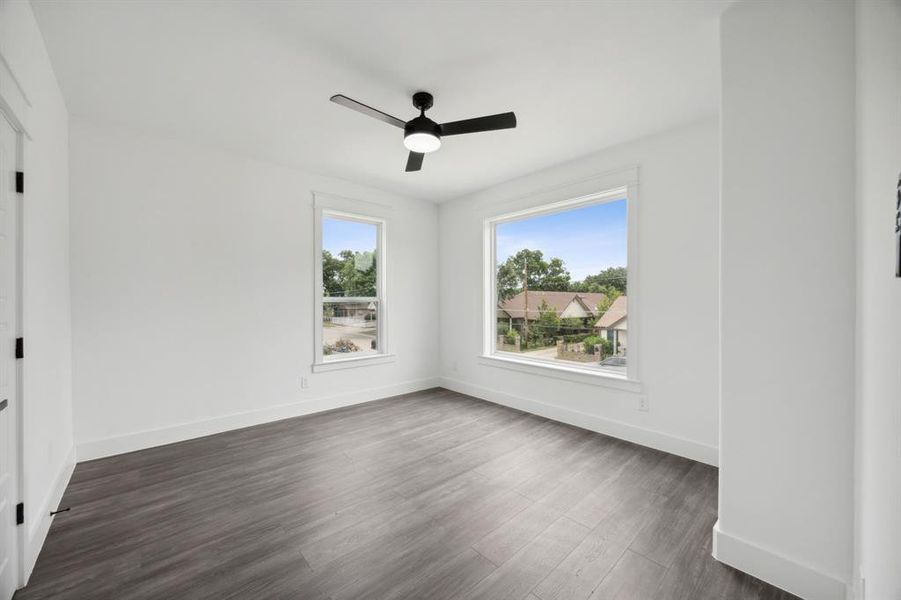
[(580, 305), (613, 325)]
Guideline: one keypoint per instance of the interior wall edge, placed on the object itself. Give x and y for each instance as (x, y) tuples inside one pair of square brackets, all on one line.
[(142, 440), (618, 429), (783, 572), (40, 518)]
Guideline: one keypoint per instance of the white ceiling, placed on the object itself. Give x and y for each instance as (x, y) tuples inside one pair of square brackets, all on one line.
[(255, 77)]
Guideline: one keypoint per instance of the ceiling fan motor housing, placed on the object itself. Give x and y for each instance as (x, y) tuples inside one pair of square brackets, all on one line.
[(422, 124)]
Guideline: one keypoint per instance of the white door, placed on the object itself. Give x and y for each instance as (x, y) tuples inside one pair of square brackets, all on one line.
[(9, 555)]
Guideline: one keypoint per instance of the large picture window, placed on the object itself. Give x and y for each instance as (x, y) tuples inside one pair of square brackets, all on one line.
[(559, 285), (351, 303)]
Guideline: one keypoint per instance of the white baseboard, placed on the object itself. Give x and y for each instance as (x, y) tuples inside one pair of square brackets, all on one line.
[(141, 440), (801, 580), (38, 518), (632, 433)]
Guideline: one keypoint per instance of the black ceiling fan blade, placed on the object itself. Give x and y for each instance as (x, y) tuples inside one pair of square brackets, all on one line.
[(367, 110), (414, 161), (489, 123)]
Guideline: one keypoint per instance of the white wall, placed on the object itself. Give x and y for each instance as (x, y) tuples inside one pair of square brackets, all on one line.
[(192, 275), (787, 294), (879, 299), (678, 187), (47, 405)]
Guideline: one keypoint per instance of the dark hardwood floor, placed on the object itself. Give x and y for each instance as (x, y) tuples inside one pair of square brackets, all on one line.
[(430, 495)]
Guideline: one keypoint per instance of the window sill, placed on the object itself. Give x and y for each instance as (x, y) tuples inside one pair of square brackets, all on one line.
[(568, 373), (349, 363)]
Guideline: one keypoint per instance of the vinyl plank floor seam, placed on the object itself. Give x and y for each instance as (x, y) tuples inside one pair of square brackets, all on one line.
[(483, 556)]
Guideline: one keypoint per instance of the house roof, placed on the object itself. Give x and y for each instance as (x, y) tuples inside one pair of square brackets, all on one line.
[(515, 306), (614, 314)]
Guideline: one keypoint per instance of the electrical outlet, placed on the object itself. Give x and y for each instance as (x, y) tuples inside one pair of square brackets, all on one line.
[(643, 405), (304, 382)]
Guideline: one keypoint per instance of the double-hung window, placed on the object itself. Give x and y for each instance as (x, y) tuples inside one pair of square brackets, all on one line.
[(351, 288)]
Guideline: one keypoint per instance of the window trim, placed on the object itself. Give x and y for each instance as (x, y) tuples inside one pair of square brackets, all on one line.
[(324, 208), (541, 205)]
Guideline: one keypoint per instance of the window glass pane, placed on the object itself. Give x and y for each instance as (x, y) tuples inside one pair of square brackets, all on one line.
[(349, 258), (349, 329), (562, 288)]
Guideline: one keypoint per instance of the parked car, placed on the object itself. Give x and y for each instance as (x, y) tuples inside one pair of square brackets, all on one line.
[(614, 361)]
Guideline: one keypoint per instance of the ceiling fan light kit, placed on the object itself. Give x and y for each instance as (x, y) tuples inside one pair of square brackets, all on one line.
[(423, 135)]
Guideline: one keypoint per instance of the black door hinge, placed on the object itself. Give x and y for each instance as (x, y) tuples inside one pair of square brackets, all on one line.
[(20, 348), (20, 513), (20, 182)]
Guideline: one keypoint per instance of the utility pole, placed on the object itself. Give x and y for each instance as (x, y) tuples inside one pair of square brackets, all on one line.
[(525, 287)]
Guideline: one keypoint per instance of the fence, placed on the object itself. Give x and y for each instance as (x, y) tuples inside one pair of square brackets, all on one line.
[(575, 351)]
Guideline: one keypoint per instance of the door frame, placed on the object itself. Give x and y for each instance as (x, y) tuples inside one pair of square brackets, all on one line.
[(14, 108)]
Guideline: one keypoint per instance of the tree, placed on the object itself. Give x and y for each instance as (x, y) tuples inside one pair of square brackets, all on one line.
[(612, 277), (610, 294), (331, 267), (556, 278), (572, 325), (351, 274), (542, 275), (548, 321)]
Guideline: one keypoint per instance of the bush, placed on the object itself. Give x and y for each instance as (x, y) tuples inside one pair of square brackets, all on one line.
[(570, 325), (536, 337), (606, 346), (510, 337), (575, 338), (341, 345), (591, 341)]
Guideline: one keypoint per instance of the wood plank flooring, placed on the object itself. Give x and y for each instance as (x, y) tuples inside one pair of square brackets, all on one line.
[(432, 495)]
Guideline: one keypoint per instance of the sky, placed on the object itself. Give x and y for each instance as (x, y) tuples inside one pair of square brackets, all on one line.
[(338, 235), (587, 239)]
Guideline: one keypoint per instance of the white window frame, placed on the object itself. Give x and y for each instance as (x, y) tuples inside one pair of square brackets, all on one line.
[(572, 372), (327, 206)]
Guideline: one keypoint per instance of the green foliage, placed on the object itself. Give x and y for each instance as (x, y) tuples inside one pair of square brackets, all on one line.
[(606, 346), (548, 322), (552, 276), (331, 267), (610, 278), (350, 274), (555, 278), (509, 334), (593, 343), (610, 294), (542, 275), (542, 331), (572, 325), (575, 337)]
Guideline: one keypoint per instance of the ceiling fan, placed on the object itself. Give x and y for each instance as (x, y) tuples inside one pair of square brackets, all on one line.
[(423, 135)]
